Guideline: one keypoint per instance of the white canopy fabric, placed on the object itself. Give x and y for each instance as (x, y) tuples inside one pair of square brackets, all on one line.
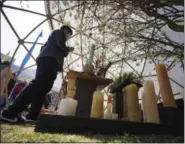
[(22, 20)]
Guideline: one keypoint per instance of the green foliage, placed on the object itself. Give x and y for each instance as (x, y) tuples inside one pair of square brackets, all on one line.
[(125, 77), (70, 14), (67, 22)]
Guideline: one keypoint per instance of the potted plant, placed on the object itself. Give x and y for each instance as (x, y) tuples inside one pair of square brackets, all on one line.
[(116, 87)]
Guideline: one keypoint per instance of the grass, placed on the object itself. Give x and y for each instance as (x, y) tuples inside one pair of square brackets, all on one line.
[(25, 133)]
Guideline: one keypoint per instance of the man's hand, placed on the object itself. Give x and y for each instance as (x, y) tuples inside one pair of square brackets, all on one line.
[(71, 49)]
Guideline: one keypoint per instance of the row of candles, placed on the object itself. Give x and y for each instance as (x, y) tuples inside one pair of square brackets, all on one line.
[(68, 107), (131, 108)]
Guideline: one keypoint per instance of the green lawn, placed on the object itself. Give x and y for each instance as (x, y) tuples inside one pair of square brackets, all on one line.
[(25, 133)]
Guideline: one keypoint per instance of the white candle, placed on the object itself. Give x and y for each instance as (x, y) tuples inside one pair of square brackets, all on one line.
[(132, 109), (97, 104), (114, 116), (150, 108), (108, 112), (68, 107), (165, 86)]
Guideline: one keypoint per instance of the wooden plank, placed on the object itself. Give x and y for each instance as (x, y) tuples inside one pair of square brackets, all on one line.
[(99, 80), (80, 125), (118, 104), (84, 94)]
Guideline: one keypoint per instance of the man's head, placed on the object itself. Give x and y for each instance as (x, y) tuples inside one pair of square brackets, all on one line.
[(67, 31)]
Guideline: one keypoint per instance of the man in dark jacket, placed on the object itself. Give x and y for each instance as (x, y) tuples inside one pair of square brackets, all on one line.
[(49, 62)]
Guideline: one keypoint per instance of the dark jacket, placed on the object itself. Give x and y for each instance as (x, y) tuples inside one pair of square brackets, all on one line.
[(55, 47)]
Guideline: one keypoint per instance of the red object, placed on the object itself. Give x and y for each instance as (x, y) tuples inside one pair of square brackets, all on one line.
[(109, 99), (13, 74), (18, 88)]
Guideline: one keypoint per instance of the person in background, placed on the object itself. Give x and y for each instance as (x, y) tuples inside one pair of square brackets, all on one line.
[(3, 100), (5, 78), (19, 86), (49, 63)]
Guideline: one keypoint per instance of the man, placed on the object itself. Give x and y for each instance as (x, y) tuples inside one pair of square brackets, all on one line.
[(49, 62)]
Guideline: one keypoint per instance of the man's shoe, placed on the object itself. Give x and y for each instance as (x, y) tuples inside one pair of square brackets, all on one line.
[(7, 117), (20, 118), (30, 119)]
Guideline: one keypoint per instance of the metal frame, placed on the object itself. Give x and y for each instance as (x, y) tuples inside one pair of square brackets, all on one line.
[(50, 18)]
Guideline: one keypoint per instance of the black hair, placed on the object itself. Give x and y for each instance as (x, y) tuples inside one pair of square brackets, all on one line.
[(67, 28), (7, 63)]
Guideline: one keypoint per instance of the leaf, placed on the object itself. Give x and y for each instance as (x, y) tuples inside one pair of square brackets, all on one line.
[(101, 27), (177, 58), (5, 57), (75, 16), (66, 23), (80, 26), (65, 3), (61, 19), (70, 14), (127, 76), (137, 64)]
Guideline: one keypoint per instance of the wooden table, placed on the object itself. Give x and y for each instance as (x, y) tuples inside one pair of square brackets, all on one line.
[(83, 87), (99, 80)]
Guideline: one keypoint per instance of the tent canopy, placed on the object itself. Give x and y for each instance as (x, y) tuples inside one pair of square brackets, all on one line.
[(124, 33)]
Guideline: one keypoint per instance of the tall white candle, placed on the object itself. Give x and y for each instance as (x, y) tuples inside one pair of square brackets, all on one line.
[(165, 86), (151, 113), (68, 107), (132, 103), (97, 104)]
